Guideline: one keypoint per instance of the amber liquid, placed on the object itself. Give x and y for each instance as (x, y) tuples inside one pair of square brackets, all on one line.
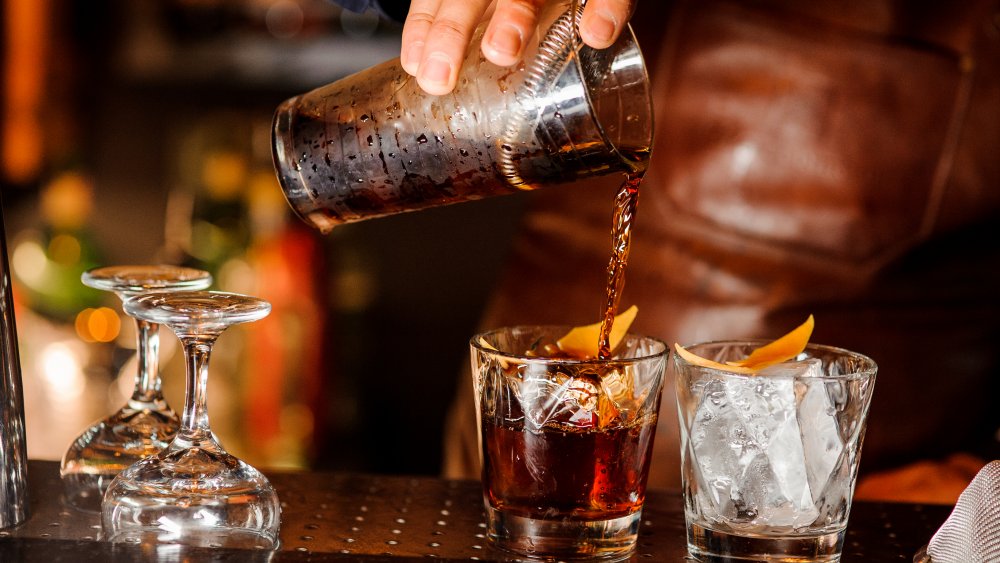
[(570, 472), (621, 233), (560, 473)]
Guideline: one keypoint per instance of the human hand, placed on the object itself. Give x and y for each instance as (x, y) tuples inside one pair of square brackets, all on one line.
[(436, 34)]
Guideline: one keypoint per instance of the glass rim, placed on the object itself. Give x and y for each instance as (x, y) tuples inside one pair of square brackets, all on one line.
[(161, 308), (140, 278), (508, 166), (869, 367), (628, 35), (475, 344), (577, 45)]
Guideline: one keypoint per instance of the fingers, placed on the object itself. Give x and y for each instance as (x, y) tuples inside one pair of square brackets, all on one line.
[(415, 29), (511, 26), (437, 32), (446, 42), (603, 21)]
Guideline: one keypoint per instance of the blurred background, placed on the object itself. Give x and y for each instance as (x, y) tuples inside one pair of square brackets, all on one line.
[(138, 131)]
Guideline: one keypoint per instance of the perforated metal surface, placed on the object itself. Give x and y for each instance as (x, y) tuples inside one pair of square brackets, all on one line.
[(346, 517)]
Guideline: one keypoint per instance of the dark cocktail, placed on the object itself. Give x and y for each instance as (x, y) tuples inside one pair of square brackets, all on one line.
[(566, 442)]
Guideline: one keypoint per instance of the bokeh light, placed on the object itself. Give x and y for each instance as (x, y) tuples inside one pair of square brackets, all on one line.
[(98, 325), (61, 367), (65, 249), (29, 261)]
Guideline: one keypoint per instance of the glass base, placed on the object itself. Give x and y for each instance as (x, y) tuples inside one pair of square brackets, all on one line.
[(85, 491), (108, 447), (561, 539), (213, 538), (193, 497), (715, 546)]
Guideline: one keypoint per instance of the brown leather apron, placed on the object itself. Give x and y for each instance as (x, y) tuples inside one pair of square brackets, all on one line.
[(834, 158)]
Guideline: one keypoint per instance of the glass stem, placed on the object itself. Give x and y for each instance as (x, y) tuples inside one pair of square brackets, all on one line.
[(194, 422), (147, 380)]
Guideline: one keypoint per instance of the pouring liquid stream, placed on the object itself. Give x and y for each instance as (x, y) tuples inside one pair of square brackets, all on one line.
[(626, 202)]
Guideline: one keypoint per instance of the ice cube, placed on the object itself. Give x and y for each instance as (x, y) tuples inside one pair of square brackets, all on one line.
[(809, 367), (557, 399), (816, 414), (766, 408), (619, 402), (749, 452), (718, 442), (821, 442)]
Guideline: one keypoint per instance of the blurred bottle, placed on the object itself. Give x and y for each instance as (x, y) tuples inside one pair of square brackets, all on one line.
[(13, 454)]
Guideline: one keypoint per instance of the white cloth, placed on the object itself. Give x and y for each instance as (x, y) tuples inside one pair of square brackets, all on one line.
[(971, 534)]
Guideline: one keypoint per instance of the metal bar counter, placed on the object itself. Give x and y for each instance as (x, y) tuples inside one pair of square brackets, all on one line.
[(353, 517)]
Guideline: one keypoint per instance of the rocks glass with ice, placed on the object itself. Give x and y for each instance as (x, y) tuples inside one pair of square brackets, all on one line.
[(374, 143), (769, 460), (566, 443)]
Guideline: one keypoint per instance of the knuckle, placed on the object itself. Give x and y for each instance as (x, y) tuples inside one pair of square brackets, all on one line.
[(449, 30), (527, 8), (416, 26), (420, 19)]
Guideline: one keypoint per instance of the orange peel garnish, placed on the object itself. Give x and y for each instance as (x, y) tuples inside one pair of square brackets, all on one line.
[(697, 360), (781, 350), (581, 341), (482, 342)]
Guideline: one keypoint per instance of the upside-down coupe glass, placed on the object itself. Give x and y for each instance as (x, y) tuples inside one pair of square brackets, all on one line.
[(194, 492), (146, 424)]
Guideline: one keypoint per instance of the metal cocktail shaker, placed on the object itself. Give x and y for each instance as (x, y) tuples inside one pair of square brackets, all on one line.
[(13, 455), (374, 144)]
